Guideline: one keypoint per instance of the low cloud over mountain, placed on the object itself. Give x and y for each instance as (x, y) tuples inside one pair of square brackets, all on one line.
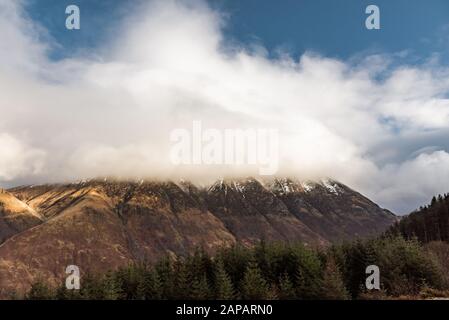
[(368, 122)]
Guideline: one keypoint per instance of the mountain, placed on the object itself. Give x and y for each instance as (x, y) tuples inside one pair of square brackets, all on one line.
[(15, 216), (101, 224), (428, 223)]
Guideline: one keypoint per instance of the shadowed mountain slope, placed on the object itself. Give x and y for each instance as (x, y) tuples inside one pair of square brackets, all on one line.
[(100, 225)]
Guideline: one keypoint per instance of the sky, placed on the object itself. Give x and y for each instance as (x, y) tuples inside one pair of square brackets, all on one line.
[(331, 28), (369, 108)]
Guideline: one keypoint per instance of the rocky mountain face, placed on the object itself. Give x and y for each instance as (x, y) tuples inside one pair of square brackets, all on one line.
[(101, 225)]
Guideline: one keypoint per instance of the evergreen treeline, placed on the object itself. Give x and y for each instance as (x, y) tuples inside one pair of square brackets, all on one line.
[(429, 223), (267, 271)]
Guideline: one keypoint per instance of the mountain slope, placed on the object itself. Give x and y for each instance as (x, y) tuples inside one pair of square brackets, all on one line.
[(332, 209), (252, 212), (101, 225), (15, 216)]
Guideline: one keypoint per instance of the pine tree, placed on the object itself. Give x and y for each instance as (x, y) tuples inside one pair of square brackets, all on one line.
[(308, 276), (182, 281), (224, 289), (110, 288), (62, 293), (158, 289), (200, 288), (151, 287), (355, 267), (39, 291), (433, 201), (93, 288), (333, 285), (286, 288), (253, 285), (429, 223), (165, 273)]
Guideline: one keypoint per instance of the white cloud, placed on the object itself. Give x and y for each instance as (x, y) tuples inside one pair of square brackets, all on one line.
[(19, 38), (18, 159), (411, 183), (170, 64)]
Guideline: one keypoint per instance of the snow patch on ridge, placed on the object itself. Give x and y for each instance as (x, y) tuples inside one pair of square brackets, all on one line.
[(331, 186), (238, 187), (307, 186)]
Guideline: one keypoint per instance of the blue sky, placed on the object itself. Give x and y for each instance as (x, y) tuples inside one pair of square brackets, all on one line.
[(330, 28)]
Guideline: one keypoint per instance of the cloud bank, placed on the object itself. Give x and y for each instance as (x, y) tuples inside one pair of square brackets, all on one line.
[(372, 123)]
